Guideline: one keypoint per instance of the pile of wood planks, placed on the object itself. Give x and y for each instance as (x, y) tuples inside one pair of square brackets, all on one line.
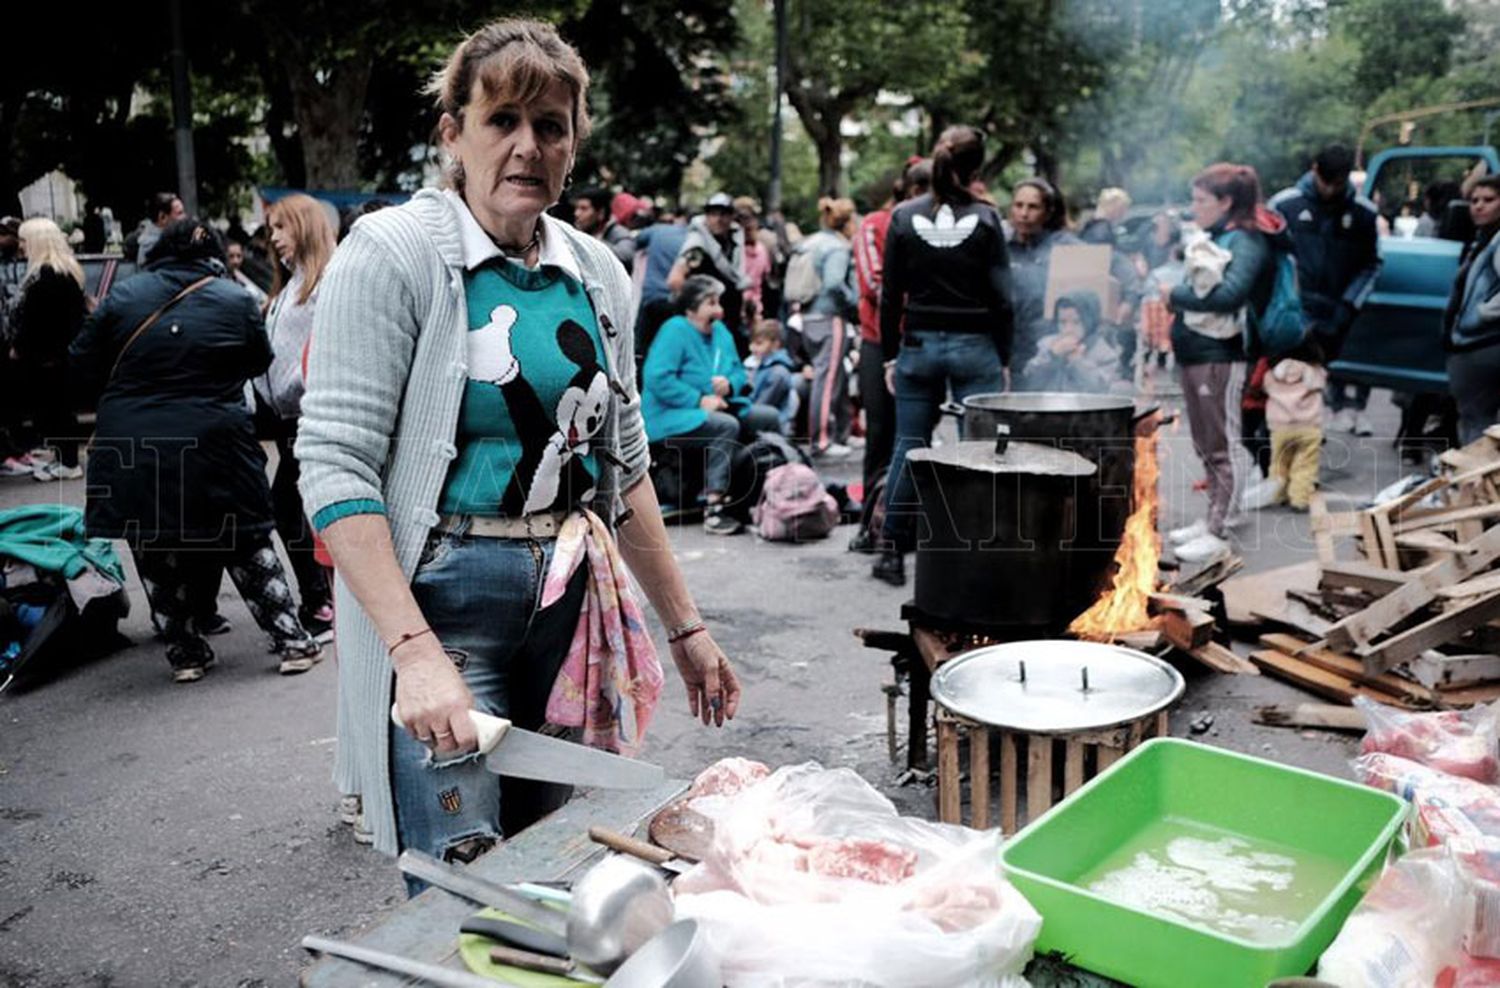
[(1414, 620)]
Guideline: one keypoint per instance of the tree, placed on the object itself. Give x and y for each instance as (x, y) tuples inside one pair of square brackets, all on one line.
[(842, 53), (1398, 41), (659, 84)]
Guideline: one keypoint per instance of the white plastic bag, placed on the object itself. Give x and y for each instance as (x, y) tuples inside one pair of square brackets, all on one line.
[(815, 880), (1408, 930)]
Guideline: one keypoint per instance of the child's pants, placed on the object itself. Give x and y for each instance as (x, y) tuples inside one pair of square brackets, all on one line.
[(1294, 462)]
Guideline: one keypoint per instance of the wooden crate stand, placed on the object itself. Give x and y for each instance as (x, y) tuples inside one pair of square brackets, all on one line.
[(1034, 770)]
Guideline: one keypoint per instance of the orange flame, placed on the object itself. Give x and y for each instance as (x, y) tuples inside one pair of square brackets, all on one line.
[(1124, 607)]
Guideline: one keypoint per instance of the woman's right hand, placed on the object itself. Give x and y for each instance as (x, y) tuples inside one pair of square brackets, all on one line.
[(432, 698), (712, 403)]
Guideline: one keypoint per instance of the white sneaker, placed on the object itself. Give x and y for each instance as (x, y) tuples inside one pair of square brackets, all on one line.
[(1188, 533), (1360, 425), (1261, 495), (1342, 421), (1206, 548), (55, 471), (833, 451)]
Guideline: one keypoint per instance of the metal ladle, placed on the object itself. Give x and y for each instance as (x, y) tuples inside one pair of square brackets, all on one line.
[(617, 906)]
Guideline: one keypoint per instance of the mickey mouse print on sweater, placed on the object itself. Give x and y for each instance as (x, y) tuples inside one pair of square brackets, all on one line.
[(554, 442), (944, 231)]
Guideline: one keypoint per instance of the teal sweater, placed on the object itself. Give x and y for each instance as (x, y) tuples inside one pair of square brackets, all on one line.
[(679, 372), (51, 537)]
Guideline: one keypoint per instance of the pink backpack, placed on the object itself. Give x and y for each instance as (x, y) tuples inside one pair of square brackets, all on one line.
[(793, 506)]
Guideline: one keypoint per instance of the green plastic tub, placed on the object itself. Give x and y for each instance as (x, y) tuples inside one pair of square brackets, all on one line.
[(1338, 833)]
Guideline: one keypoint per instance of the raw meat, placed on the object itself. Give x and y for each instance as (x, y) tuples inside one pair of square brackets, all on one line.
[(1458, 743), (728, 777), (863, 860), (1443, 806)]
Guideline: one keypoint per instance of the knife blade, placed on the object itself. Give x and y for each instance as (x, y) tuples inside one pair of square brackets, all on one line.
[(524, 937), (512, 751), (451, 879)]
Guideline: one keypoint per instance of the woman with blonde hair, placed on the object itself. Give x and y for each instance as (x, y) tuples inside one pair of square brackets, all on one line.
[(303, 236), (48, 313), (471, 427), (825, 321)]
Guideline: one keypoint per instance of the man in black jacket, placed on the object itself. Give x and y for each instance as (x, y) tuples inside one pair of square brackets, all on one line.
[(1334, 231)]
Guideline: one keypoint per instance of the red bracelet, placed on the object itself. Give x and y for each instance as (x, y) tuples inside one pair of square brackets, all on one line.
[(391, 649), (686, 634)]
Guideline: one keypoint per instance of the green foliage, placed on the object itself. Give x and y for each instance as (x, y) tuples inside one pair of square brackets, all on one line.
[(1398, 41)]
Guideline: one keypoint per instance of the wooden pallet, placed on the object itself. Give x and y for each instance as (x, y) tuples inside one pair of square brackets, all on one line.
[(1030, 772)]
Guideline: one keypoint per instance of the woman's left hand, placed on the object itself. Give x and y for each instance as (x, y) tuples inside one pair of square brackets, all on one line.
[(713, 689)]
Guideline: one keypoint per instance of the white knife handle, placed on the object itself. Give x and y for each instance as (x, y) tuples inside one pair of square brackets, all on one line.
[(489, 729)]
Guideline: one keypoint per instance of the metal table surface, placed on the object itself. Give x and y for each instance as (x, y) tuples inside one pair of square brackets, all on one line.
[(555, 848)]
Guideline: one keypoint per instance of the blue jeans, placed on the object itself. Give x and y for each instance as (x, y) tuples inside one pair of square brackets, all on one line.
[(930, 363), (481, 597)]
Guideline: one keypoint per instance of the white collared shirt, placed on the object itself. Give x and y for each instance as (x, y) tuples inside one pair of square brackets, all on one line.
[(479, 248)]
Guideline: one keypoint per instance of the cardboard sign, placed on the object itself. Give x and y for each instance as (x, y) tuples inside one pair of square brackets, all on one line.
[(1081, 268)]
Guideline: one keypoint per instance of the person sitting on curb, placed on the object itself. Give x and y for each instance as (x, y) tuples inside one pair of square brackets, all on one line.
[(694, 393)]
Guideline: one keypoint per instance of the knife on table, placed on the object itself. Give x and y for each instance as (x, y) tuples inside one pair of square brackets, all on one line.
[(511, 751), (463, 883), (430, 973), (650, 853)]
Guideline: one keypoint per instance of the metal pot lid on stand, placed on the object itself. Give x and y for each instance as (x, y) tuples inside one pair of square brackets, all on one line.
[(987, 456), (1056, 687)]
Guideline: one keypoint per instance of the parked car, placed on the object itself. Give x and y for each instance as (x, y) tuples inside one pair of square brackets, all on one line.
[(1397, 341)]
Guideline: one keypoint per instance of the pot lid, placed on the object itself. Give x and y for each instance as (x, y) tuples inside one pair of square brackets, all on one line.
[(1037, 687), (1049, 401), (1032, 458)]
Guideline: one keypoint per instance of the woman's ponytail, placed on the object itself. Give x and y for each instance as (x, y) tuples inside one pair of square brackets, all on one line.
[(956, 160)]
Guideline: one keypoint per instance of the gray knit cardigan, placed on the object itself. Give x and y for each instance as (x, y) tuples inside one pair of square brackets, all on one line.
[(385, 379)]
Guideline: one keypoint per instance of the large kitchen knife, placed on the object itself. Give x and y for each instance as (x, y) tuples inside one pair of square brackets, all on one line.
[(510, 750)]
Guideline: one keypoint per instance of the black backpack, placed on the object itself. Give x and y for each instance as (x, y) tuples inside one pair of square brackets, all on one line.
[(748, 469)]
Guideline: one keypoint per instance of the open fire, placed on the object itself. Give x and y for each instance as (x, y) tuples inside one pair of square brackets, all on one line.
[(1124, 608)]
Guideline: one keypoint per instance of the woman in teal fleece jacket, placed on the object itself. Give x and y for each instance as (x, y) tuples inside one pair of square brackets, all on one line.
[(693, 393), (1226, 205)]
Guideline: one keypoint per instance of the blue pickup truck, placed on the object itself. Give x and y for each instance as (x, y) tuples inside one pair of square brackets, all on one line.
[(1397, 341)]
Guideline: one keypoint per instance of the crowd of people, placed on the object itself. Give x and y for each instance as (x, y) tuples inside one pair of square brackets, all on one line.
[(469, 390)]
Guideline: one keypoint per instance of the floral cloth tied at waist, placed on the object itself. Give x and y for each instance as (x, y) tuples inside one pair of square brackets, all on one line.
[(612, 656)]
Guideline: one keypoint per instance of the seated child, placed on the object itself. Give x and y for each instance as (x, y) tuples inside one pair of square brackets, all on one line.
[(775, 374), (1294, 411), (1076, 357)]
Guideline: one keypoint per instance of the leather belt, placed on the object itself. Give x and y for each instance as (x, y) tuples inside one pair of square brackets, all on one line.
[(541, 525)]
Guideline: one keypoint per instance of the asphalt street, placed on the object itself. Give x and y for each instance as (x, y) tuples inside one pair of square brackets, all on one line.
[(153, 834)]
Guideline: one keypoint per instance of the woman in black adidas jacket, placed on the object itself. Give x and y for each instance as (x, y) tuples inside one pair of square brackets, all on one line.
[(945, 317)]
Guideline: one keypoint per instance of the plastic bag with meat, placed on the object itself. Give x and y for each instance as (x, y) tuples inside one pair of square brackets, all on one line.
[(1443, 806), (1459, 742), (814, 879)]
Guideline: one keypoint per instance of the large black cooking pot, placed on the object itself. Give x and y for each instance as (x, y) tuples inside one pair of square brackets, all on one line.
[(1100, 428), (994, 534)]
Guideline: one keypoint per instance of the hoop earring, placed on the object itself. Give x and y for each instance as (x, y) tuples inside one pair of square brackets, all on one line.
[(568, 179)]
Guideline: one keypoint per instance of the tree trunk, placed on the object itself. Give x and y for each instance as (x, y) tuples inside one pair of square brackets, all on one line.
[(328, 119), (328, 103), (822, 116), (286, 142)]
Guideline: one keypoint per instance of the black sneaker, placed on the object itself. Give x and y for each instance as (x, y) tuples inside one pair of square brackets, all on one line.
[(212, 624), (890, 567), (190, 661), (298, 657), (716, 522), (863, 541)]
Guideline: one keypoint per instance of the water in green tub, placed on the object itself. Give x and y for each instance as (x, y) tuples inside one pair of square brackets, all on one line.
[(1241, 886)]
